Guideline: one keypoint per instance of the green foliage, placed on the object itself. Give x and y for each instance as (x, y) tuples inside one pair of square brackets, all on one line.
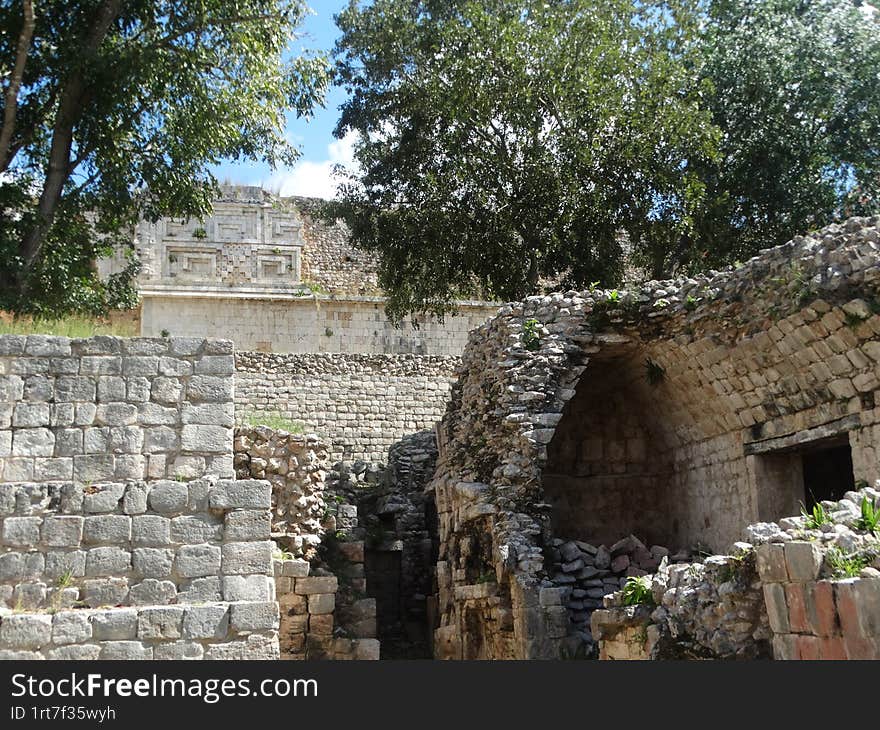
[(691, 302), (531, 339), (637, 591), (870, 516), (846, 565), (654, 372), (276, 421), (614, 296), (121, 111), (200, 233), (503, 140), (816, 517)]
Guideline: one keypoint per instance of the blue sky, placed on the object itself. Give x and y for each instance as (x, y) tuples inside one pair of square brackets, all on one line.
[(320, 150)]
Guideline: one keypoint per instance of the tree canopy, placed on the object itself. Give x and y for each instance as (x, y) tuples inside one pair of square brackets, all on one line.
[(113, 110), (506, 140)]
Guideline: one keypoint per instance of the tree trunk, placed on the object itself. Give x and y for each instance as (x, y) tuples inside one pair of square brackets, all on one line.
[(10, 108), (58, 170)]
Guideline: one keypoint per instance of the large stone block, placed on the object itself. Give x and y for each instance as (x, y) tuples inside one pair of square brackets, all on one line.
[(250, 524), (257, 616), (102, 498), (209, 388), (246, 558), (152, 592), (26, 631), (196, 561), (316, 584), (33, 442), (206, 622), (247, 588), (21, 532), (169, 497), (151, 530), (107, 529), (107, 561), (63, 563), (152, 562), (241, 494), (125, 651), (117, 624), (803, 560), (105, 592), (62, 531), (71, 627), (95, 467), (75, 389), (201, 590), (162, 622), (321, 602), (777, 607), (178, 651), (194, 529)]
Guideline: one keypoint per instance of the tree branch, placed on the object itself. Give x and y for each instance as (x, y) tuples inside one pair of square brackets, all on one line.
[(10, 108)]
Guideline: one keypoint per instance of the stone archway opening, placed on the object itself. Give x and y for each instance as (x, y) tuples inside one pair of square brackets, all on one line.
[(610, 465)]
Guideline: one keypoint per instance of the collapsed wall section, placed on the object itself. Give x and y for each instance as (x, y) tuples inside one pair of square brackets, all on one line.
[(109, 408)]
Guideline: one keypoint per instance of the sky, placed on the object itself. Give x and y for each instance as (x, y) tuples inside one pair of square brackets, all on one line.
[(312, 175)]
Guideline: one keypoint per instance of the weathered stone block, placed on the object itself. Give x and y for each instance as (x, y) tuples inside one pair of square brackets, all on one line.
[(61, 563), (116, 624), (256, 616), (21, 532), (75, 652), (250, 524), (150, 530), (134, 500), (107, 529), (33, 442), (316, 584), (71, 627), (111, 389), (195, 561), (105, 592), (803, 560), (241, 494), (367, 650), (209, 388), (152, 592), (777, 608), (107, 561), (201, 590), (206, 622), (74, 389), (152, 562), (247, 588), (193, 529), (321, 602), (770, 559), (169, 497), (295, 568), (125, 651), (53, 470), (102, 498), (62, 531), (162, 622), (321, 624), (246, 558), (93, 468), (178, 651), (26, 631)]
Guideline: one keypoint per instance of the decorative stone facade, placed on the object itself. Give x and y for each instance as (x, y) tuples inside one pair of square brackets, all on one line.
[(109, 408), (273, 275), (742, 377), (361, 404)]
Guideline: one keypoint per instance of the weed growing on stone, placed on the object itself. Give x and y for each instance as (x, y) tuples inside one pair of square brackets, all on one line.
[(637, 591), (531, 339), (846, 565), (816, 517), (870, 517)]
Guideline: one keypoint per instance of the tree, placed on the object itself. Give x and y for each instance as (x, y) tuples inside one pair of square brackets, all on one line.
[(115, 110), (797, 98), (506, 140)]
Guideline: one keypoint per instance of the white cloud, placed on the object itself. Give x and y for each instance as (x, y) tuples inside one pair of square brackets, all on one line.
[(315, 179)]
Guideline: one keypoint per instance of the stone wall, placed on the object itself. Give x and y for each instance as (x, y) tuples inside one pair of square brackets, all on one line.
[(361, 404), (303, 324), (108, 408), (739, 373), (193, 561), (295, 466)]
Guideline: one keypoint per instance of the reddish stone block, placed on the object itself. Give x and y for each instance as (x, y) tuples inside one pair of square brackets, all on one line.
[(821, 611), (807, 647), (797, 609), (847, 607), (861, 647), (832, 648)]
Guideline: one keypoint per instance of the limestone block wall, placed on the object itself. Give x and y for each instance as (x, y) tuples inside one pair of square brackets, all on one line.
[(107, 408), (361, 404), (136, 543), (303, 324)]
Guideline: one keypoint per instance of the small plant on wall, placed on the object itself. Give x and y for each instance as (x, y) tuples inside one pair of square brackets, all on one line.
[(654, 372), (200, 233), (531, 339), (637, 591)]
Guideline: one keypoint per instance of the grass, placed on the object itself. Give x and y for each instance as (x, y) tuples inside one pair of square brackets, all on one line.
[(846, 565), (275, 421), (817, 517), (73, 326)]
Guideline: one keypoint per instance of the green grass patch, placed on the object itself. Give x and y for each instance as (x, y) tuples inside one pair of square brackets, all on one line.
[(275, 421), (75, 327)]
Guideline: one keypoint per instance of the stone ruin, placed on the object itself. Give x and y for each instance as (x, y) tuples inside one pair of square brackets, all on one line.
[(591, 439), (588, 427)]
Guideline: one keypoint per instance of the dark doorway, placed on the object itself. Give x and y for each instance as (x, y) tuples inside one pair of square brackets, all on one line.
[(382, 568), (828, 474)]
